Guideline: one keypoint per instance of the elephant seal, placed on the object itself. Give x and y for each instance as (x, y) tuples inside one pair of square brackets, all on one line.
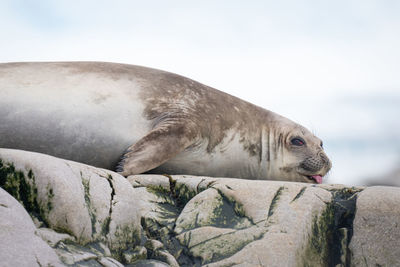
[(137, 119)]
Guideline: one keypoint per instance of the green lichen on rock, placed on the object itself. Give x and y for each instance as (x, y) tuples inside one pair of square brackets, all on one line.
[(164, 213), (158, 190), (134, 254), (105, 226), (227, 244), (126, 237), (332, 231), (301, 192), (90, 208), (238, 208), (167, 214), (317, 251), (275, 201), (24, 189), (183, 194), (163, 194), (228, 214), (50, 196)]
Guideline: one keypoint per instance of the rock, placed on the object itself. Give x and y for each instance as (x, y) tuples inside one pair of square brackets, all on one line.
[(224, 222), (376, 226), (94, 254), (135, 254), (109, 262), (149, 263), (19, 245), (52, 237), (75, 214), (90, 204), (71, 254), (153, 245)]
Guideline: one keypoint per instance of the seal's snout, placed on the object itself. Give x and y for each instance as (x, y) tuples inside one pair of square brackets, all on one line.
[(315, 167), (313, 164)]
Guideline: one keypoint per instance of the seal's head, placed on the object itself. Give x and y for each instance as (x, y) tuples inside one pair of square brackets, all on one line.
[(299, 154)]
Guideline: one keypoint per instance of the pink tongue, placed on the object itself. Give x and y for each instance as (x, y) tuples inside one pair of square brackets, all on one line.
[(317, 178)]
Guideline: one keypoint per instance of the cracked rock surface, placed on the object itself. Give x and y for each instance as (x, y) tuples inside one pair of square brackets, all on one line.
[(91, 208), (376, 238), (56, 212)]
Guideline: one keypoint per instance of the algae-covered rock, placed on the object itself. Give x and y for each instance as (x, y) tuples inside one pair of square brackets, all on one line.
[(226, 222), (91, 205), (62, 213)]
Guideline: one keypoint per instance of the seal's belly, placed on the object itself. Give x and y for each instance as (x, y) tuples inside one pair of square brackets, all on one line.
[(90, 119)]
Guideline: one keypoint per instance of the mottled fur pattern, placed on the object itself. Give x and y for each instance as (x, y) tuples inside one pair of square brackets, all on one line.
[(173, 124)]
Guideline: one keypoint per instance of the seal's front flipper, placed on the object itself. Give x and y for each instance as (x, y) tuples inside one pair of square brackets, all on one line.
[(155, 148)]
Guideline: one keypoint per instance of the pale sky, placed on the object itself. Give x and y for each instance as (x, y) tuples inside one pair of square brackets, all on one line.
[(329, 65)]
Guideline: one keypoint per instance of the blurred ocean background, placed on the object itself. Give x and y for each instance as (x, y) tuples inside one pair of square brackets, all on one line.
[(332, 66)]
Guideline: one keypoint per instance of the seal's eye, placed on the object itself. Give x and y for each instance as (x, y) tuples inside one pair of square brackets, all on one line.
[(297, 141), (322, 145)]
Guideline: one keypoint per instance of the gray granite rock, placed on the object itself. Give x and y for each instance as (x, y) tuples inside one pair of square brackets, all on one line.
[(52, 237), (376, 237), (89, 204), (226, 222), (75, 214), (149, 263), (19, 243)]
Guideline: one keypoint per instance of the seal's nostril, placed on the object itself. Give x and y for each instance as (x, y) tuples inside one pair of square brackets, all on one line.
[(323, 157)]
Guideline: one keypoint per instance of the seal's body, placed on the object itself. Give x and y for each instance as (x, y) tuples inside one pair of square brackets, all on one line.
[(156, 121)]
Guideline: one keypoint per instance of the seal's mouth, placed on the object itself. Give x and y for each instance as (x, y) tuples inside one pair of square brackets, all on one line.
[(316, 178)]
